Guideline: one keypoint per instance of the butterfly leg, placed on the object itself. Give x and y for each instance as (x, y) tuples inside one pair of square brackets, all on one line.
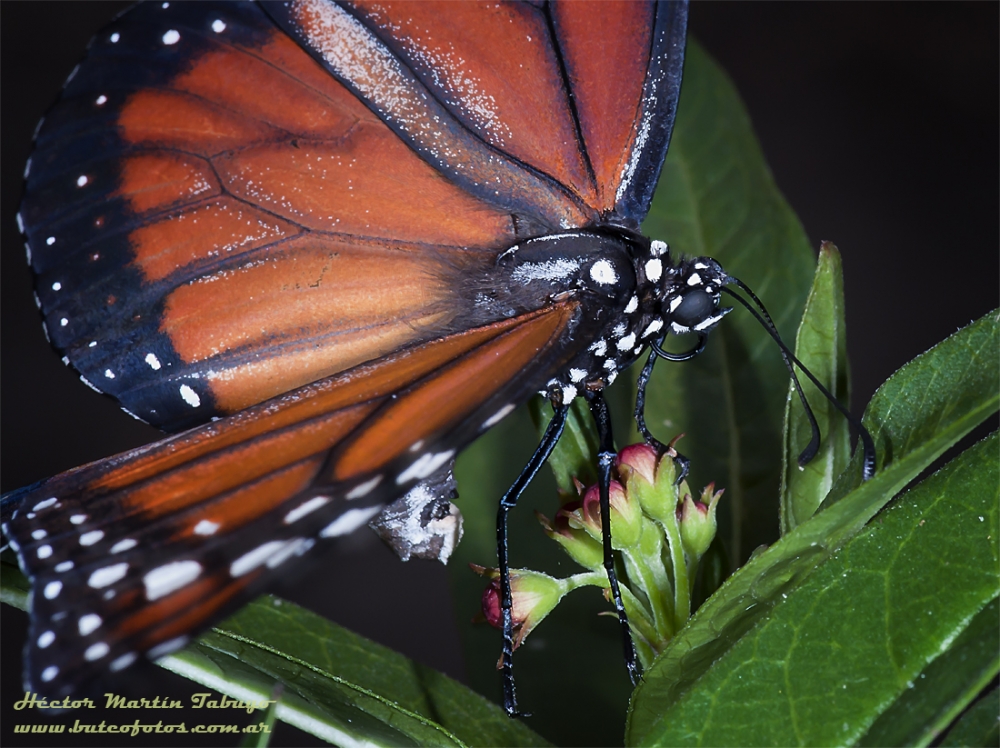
[(509, 500), (640, 403), (605, 459), (683, 463), (656, 351)]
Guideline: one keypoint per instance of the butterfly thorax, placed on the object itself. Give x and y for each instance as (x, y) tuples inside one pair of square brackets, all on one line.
[(630, 290)]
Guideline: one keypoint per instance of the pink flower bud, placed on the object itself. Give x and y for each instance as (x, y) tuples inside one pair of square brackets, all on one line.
[(491, 604), (626, 515), (637, 459), (533, 596)]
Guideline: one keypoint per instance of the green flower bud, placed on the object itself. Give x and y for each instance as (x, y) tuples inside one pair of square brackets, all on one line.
[(697, 521), (582, 548)]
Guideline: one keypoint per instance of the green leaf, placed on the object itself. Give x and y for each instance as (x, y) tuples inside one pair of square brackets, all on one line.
[(980, 726), (850, 641), (959, 381), (946, 688), (821, 344), (717, 198), (338, 685), (918, 405)]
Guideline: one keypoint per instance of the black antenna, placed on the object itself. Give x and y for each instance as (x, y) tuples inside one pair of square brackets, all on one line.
[(868, 465)]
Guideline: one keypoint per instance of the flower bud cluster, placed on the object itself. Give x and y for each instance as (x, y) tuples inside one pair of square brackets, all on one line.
[(660, 532)]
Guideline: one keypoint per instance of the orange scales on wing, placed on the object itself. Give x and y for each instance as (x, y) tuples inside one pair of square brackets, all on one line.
[(314, 296)]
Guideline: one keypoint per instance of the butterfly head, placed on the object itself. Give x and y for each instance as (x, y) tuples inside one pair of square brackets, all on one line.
[(689, 292)]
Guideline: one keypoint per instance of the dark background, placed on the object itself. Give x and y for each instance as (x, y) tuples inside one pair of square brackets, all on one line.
[(879, 121)]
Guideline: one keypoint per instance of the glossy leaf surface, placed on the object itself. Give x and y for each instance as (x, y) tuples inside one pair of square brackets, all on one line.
[(960, 389), (838, 649)]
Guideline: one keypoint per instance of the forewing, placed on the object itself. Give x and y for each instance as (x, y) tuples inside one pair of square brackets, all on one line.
[(527, 99), (623, 61), (131, 554), (214, 220)]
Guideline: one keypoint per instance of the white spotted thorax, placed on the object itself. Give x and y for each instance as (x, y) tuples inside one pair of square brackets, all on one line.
[(655, 296)]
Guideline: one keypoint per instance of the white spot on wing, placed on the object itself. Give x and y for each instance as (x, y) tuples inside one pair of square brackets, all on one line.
[(49, 673), (494, 419), (45, 639), (44, 551), (171, 37), (52, 590), (123, 545), (190, 396), (349, 521), (107, 575), (171, 645), (425, 466), (153, 361), (89, 538), (96, 651), (57, 286), (627, 342), (170, 577), (258, 556), (44, 504), (82, 180), (305, 508), (363, 489), (89, 623), (120, 663), (64, 566), (218, 26), (296, 546), (206, 527)]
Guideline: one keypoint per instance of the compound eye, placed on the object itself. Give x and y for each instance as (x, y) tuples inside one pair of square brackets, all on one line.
[(696, 306)]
